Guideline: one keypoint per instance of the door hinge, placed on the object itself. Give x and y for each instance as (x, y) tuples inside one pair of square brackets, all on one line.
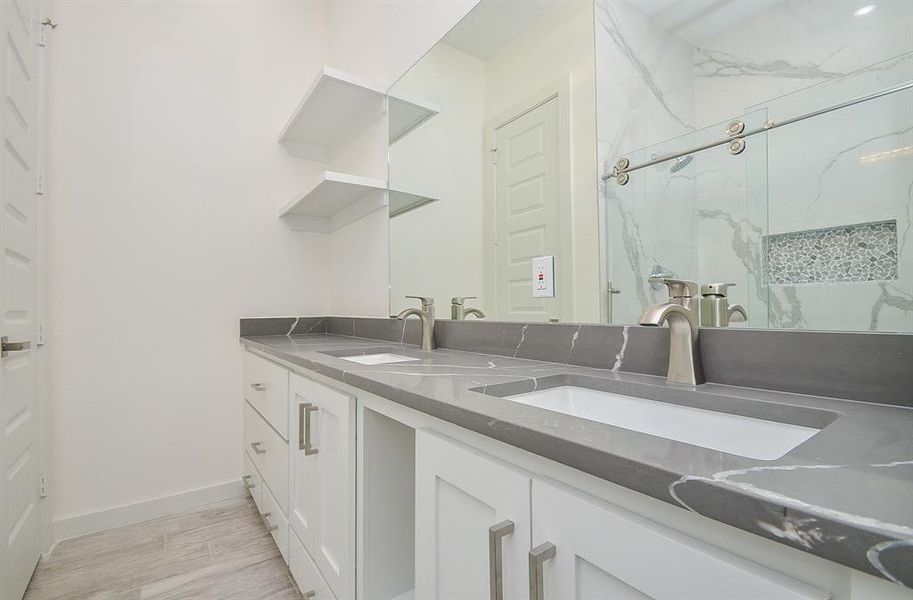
[(43, 485), (39, 182), (40, 336)]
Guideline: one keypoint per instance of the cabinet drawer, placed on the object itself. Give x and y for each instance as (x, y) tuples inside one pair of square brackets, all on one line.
[(276, 521), (266, 388), (252, 481), (305, 572), (269, 453)]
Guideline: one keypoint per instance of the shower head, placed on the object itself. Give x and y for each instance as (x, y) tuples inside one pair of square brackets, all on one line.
[(680, 163)]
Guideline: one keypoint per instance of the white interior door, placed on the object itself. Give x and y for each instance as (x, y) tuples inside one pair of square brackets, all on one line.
[(527, 210), (603, 552), (18, 294), (459, 496)]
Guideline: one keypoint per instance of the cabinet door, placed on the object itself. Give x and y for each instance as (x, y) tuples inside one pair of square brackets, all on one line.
[(602, 551), (322, 508), (333, 435), (302, 466), (460, 495)]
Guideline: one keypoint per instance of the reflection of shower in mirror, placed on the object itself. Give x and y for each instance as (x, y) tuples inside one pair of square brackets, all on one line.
[(680, 163), (677, 165)]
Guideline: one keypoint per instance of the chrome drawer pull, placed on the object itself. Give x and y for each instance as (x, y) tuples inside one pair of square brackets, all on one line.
[(258, 387), (256, 447), (537, 558), (304, 428), (265, 518), (495, 558), (247, 484), (309, 595)]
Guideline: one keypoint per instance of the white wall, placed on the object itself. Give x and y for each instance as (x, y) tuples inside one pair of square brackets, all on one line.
[(560, 45), (377, 41), (471, 93), (438, 250), (164, 176)]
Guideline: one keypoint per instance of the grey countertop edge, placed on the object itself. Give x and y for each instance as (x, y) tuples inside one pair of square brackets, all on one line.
[(858, 543)]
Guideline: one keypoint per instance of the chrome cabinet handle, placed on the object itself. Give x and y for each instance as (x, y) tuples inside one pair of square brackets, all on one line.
[(304, 428), (496, 558), (247, 484), (265, 518), (537, 558), (258, 387), (256, 448), (309, 595)]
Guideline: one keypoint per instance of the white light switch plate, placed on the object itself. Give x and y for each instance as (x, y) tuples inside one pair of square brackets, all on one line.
[(544, 277)]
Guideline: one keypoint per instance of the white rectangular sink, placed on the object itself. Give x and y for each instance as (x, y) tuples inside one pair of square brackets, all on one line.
[(384, 358), (735, 434)]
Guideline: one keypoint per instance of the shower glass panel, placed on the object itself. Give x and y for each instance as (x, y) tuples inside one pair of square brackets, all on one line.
[(702, 217), (811, 221)]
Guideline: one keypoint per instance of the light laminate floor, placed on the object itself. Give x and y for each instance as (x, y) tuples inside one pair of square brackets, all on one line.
[(219, 552)]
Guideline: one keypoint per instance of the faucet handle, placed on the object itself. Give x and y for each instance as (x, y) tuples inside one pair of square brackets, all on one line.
[(461, 299), (680, 288), (715, 289), (426, 300)]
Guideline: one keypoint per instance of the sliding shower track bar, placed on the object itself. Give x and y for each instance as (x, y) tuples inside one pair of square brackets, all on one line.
[(623, 166)]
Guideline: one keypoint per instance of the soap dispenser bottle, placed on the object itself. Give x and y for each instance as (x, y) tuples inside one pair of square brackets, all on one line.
[(715, 308)]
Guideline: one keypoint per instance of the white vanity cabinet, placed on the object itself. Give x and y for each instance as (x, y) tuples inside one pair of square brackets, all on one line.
[(322, 476), (564, 544), (369, 499)]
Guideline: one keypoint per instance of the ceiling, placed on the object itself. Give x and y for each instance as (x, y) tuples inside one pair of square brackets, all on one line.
[(492, 23), (696, 21)]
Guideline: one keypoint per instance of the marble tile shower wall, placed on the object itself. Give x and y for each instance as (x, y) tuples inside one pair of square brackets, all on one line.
[(708, 219)]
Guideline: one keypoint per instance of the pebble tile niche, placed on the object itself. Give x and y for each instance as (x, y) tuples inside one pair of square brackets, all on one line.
[(850, 253)]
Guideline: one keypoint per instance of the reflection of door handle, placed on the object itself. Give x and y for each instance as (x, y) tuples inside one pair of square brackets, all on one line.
[(8, 347), (611, 291)]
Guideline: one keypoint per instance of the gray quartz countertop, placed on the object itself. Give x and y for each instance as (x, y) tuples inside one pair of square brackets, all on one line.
[(846, 494)]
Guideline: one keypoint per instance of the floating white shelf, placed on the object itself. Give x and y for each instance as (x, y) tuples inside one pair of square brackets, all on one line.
[(407, 113), (402, 202), (334, 200), (334, 111)]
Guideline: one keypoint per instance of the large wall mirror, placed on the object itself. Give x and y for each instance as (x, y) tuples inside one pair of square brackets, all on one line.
[(556, 159)]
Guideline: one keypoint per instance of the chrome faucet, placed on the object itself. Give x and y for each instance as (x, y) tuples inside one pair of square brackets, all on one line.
[(715, 308), (426, 314), (458, 312), (682, 311)]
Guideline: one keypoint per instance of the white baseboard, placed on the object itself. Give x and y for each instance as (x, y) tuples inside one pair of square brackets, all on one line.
[(109, 518)]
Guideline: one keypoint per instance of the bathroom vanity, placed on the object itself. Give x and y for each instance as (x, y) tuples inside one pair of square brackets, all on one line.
[(386, 472)]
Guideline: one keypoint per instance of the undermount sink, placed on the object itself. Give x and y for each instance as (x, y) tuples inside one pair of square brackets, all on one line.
[(712, 419), (736, 434), (384, 358), (377, 355)]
